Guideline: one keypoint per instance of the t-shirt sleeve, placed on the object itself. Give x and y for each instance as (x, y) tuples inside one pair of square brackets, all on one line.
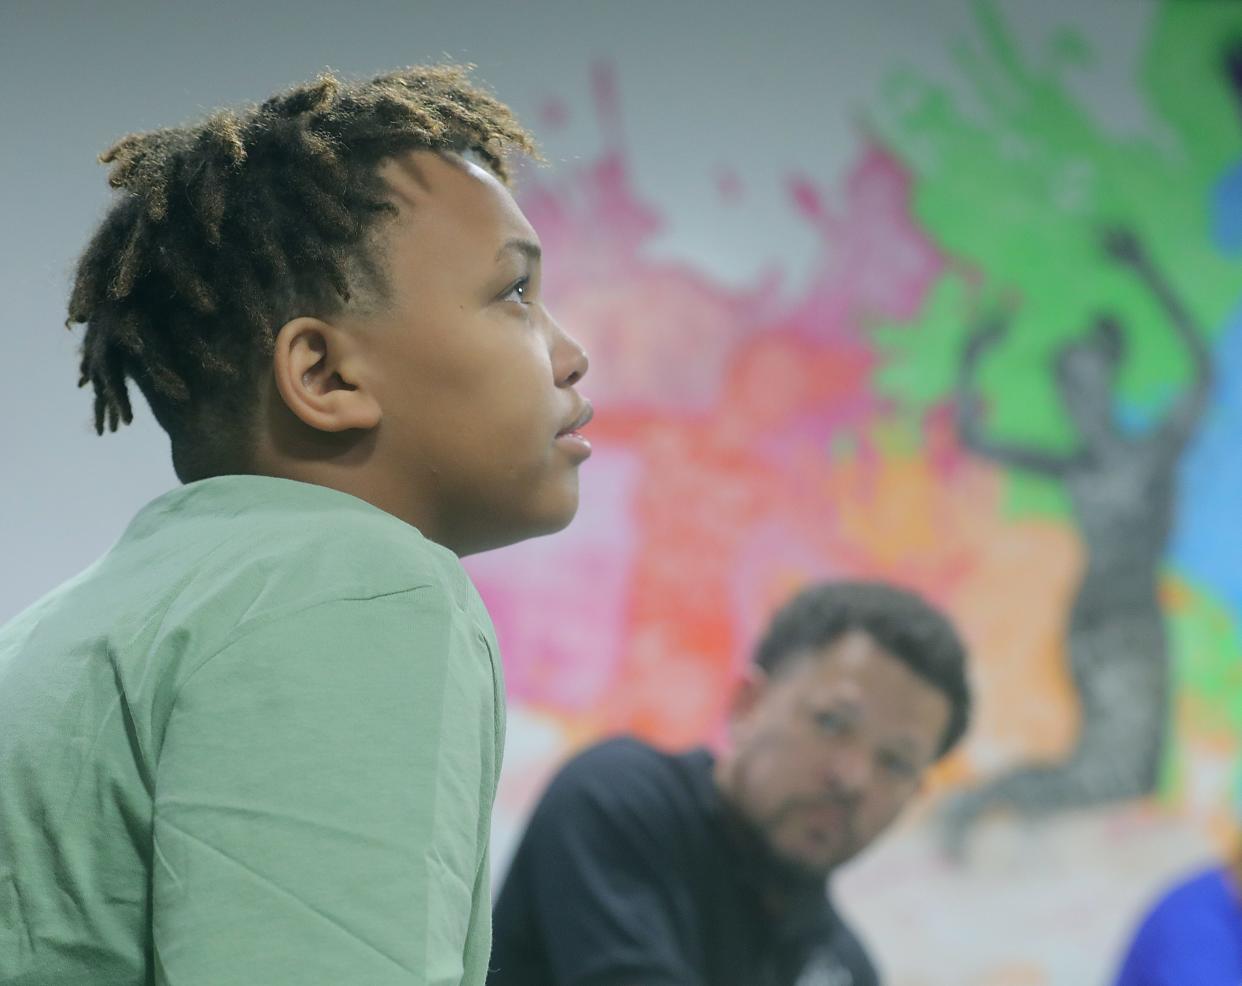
[(320, 796), (598, 869)]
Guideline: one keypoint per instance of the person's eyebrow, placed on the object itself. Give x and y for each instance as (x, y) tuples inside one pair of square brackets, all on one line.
[(527, 248)]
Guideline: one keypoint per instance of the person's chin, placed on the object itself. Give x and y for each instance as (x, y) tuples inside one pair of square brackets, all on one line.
[(562, 518), (799, 867), (812, 862), (562, 504), (556, 511)]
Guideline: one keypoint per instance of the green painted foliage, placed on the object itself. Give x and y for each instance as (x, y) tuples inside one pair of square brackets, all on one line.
[(1018, 189)]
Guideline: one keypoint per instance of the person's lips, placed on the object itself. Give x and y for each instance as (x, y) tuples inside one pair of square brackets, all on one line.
[(578, 423)]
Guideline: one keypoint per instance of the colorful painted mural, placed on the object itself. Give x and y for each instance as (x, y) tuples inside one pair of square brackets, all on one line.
[(1014, 384)]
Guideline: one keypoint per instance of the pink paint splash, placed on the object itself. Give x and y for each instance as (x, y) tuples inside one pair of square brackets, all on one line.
[(553, 114), (559, 603), (714, 492), (875, 263)]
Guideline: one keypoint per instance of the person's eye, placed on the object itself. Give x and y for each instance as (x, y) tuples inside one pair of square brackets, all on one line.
[(831, 723), (897, 765), (517, 291)]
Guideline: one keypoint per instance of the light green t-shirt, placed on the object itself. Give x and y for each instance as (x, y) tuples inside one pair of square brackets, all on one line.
[(256, 744)]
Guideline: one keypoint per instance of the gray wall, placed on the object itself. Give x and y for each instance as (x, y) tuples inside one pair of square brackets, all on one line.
[(693, 76)]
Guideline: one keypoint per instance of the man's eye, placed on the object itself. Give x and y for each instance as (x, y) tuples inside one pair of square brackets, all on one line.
[(517, 291), (831, 723), (898, 765)]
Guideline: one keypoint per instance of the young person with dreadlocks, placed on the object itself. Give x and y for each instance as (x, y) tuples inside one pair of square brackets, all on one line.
[(258, 741)]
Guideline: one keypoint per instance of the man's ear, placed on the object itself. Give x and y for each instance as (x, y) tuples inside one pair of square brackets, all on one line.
[(748, 691), (318, 374)]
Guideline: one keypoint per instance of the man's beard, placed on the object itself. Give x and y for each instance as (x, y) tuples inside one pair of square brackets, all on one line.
[(843, 842), (766, 828)]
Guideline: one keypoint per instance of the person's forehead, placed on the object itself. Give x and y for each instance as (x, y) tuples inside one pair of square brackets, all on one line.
[(857, 668), (853, 654), (431, 185)]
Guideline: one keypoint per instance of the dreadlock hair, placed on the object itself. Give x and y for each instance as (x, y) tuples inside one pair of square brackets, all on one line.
[(914, 632), (226, 229)]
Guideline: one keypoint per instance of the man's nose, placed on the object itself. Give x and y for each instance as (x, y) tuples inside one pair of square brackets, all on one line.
[(851, 768)]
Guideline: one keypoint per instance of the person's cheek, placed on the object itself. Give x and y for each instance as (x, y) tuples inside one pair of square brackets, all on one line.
[(883, 815)]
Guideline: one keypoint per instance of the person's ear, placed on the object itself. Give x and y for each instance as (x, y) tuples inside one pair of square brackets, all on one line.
[(747, 694), (319, 375)]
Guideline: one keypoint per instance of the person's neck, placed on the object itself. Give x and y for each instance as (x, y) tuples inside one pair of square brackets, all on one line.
[(363, 481)]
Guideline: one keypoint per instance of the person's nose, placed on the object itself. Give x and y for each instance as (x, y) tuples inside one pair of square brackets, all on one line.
[(851, 768), (569, 359)]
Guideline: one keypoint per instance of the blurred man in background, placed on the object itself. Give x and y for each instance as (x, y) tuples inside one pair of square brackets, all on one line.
[(642, 868)]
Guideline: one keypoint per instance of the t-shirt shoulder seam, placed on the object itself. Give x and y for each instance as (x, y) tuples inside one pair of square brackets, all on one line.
[(254, 624)]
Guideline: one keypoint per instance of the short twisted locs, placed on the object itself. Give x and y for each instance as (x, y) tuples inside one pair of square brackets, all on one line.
[(226, 228)]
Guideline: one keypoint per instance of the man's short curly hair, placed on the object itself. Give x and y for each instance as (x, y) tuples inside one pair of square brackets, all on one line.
[(227, 228), (899, 621)]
